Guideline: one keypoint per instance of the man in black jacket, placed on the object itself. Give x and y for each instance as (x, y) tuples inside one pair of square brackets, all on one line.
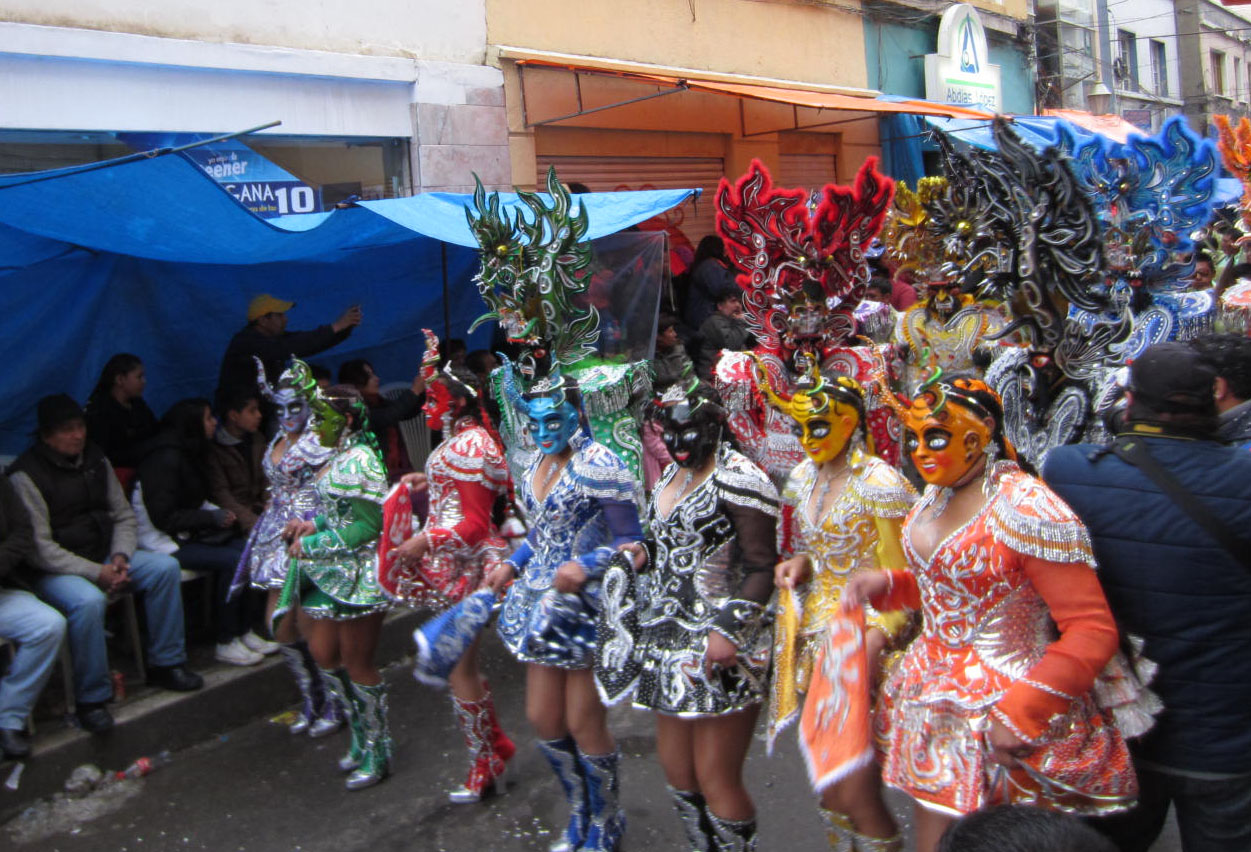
[(37, 628), (266, 337), (84, 550), (1174, 583)]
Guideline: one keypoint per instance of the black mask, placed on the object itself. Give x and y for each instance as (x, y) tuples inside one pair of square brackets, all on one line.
[(690, 437)]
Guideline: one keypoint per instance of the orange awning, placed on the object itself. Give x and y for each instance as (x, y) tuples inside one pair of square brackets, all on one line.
[(776, 94)]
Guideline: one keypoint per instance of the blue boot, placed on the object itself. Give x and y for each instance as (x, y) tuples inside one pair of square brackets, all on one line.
[(607, 819), (562, 754)]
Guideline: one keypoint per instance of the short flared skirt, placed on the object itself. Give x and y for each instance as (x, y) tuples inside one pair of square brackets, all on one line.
[(931, 740), (675, 681)]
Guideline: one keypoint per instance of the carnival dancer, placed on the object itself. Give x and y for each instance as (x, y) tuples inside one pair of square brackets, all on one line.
[(847, 508), (580, 498), (996, 701), (803, 270), (581, 502), (291, 463), (459, 543), (946, 326), (332, 577), (702, 632)]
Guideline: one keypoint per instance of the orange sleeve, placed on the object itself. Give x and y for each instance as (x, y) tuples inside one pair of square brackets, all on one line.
[(1088, 639)]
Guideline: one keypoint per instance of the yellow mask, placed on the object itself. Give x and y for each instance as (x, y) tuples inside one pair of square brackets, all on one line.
[(826, 414)]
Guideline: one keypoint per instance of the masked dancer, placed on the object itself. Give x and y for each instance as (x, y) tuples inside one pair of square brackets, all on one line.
[(995, 701), (466, 474), (702, 630), (291, 463), (847, 508), (579, 497), (332, 577)]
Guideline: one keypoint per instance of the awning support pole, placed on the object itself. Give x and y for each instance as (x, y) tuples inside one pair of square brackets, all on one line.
[(143, 155), (682, 87)]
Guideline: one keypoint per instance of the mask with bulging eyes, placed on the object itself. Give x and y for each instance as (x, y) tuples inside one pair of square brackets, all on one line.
[(691, 435), (292, 410), (552, 423), (944, 437)]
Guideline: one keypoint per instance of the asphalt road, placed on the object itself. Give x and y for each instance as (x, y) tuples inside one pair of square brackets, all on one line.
[(258, 789)]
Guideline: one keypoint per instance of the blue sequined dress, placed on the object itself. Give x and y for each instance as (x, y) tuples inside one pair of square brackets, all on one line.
[(590, 510)]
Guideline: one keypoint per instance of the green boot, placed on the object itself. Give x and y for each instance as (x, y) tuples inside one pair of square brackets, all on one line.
[(371, 704), (339, 685)]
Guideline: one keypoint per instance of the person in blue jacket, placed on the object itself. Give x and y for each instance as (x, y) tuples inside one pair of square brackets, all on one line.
[(1172, 582)]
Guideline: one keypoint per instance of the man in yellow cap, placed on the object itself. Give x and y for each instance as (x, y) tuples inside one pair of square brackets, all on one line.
[(266, 337)]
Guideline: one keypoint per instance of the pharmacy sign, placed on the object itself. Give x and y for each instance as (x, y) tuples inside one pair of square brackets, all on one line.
[(960, 72)]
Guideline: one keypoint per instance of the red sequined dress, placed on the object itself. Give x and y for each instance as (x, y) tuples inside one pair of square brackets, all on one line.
[(465, 475), (1016, 628)]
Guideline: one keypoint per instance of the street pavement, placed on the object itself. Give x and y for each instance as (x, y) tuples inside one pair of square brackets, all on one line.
[(258, 788)]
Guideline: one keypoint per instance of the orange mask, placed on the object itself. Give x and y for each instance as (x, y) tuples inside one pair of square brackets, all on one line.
[(944, 444)]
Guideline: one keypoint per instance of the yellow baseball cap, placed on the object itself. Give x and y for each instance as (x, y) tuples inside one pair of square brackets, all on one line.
[(267, 304)]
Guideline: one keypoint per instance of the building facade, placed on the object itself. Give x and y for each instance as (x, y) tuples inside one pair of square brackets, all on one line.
[(1215, 47), (377, 98)]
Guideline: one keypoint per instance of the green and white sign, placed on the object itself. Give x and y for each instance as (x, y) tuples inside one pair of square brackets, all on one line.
[(960, 72)]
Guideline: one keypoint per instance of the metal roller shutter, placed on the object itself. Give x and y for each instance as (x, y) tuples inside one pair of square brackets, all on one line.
[(807, 171), (606, 174)]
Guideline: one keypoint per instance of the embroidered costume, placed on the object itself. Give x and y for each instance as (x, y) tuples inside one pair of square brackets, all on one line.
[(713, 557), (292, 495), (803, 271), (586, 515), (859, 532)]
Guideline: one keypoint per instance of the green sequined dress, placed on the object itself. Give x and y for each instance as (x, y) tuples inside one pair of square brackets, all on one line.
[(337, 576)]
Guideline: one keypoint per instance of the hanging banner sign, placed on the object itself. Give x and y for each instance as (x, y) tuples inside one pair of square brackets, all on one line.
[(257, 183), (960, 72)]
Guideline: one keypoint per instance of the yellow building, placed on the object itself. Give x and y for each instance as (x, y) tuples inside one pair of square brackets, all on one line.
[(660, 93)]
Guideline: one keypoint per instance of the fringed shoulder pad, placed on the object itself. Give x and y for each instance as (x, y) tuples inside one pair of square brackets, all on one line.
[(1032, 519), (741, 482), (881, 488), (600, 473), (309, 449), (357, 473), (473, 454)]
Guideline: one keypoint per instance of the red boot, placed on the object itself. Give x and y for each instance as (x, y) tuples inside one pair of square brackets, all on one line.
[(480, 738)]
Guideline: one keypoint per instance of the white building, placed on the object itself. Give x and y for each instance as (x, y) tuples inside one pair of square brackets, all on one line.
[(376, 97)]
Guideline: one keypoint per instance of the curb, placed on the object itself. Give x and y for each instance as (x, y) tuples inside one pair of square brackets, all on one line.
[(169, 721)]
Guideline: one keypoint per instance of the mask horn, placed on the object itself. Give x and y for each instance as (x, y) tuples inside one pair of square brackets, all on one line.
[(262, 380)]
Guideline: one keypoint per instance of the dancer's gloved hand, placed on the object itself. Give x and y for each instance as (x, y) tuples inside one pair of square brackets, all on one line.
[(569, 578), (721, 654), (793, 572)]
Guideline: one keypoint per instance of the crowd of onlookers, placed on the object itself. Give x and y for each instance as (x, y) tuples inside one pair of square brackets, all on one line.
[(110, 500)]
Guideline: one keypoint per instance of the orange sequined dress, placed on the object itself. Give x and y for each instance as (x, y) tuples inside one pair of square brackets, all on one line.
[(1016, 627)]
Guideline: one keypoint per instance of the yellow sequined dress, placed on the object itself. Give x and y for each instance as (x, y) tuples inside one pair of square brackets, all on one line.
[(860, 532)]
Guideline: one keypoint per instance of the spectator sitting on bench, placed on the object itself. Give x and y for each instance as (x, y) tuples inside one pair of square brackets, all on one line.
[(36, 628), (84, 532)]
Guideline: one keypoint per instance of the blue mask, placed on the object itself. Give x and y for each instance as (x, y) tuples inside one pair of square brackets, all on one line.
[(551, 424)]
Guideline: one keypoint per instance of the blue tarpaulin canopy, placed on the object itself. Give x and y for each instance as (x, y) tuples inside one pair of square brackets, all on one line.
[(151, 256)]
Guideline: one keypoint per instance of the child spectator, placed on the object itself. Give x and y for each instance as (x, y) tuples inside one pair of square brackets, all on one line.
[(173, 493), (236, 480)]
